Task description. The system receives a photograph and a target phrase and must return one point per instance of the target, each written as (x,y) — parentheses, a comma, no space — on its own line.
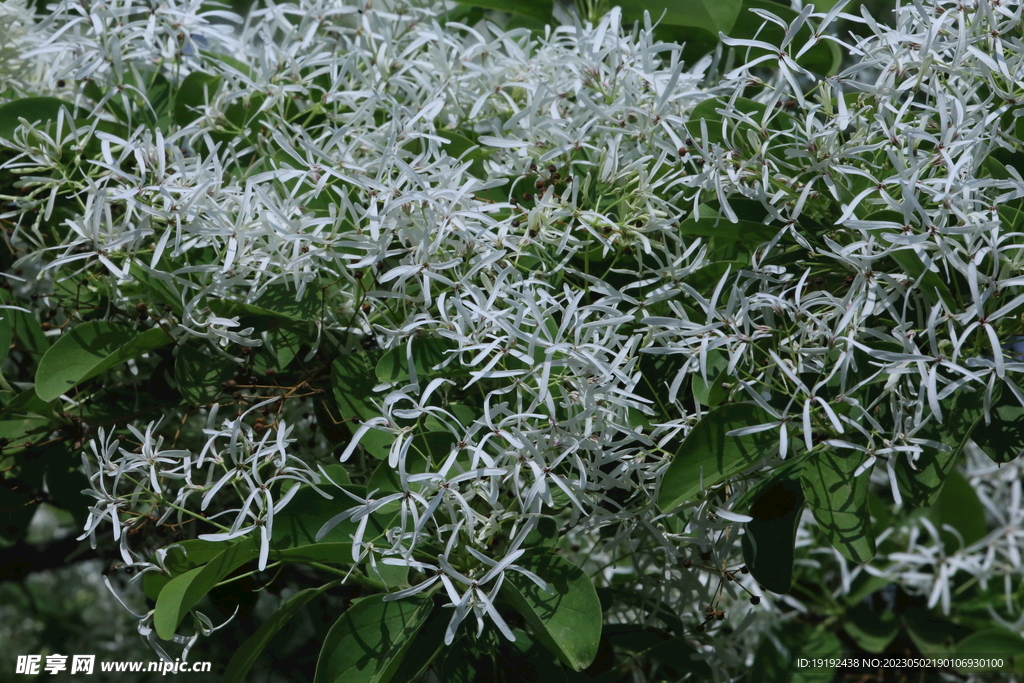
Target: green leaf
(711,392)
(183,592)
(993,643)
(710,15)
(245,656)
(353,379)
(25,327)
(199,372)
(298,524)
(425,648)
(646,606)
(708,456)
(427,352)
(710,110)
(18,431)
(531,9)
(1002,439)
(824,58)
(674,653)
(921,482)
(839,501)
(568,620)
(33,109)
(385,479)
(958,506)
(91,349)
(159,285)
(657,372)
(186,555)
(153,583)
(377,442)
(930,282)
(465,149)
(463,663)
(931,633)
(710,222)
(6,333)
(278,313)
(29,403)
(870,630)
(525,660)
(772,666)
(369,641)
(770,539)
(196,91)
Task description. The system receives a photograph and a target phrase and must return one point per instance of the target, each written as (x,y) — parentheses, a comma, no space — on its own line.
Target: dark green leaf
(197,90)
(91,349)
(710,111)
(824,58)
(183,592)
(673,653)
(839,502)
(353,379)
(245,656)
(657,372)
(921,482)
(568,620)
(872,631)
(426,354)
(772,666)
(993,643)
(710,222)
(6,333)
(711,392)
(25,328)
(532,9)
(931,283)
(931,633)
(33,109)
(708,456)
(369,641)
(465,149)
(199,372)
(425,648)
(958,506)
(298,524)
(1002,439)
(710,15)
(186,555)
(770,539)
(160,286)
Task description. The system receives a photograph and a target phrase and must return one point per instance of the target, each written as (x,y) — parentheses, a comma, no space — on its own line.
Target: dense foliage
(530,346)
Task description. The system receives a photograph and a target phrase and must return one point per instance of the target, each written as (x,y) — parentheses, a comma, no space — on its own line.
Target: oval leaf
(708,456)
(991,643)
(198,375)
(91,349)
(921,482)
(568,620)
(33,110)
(369,641)
(246,655)
(839,502)
(770,540)
(183,592)
(958,505)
